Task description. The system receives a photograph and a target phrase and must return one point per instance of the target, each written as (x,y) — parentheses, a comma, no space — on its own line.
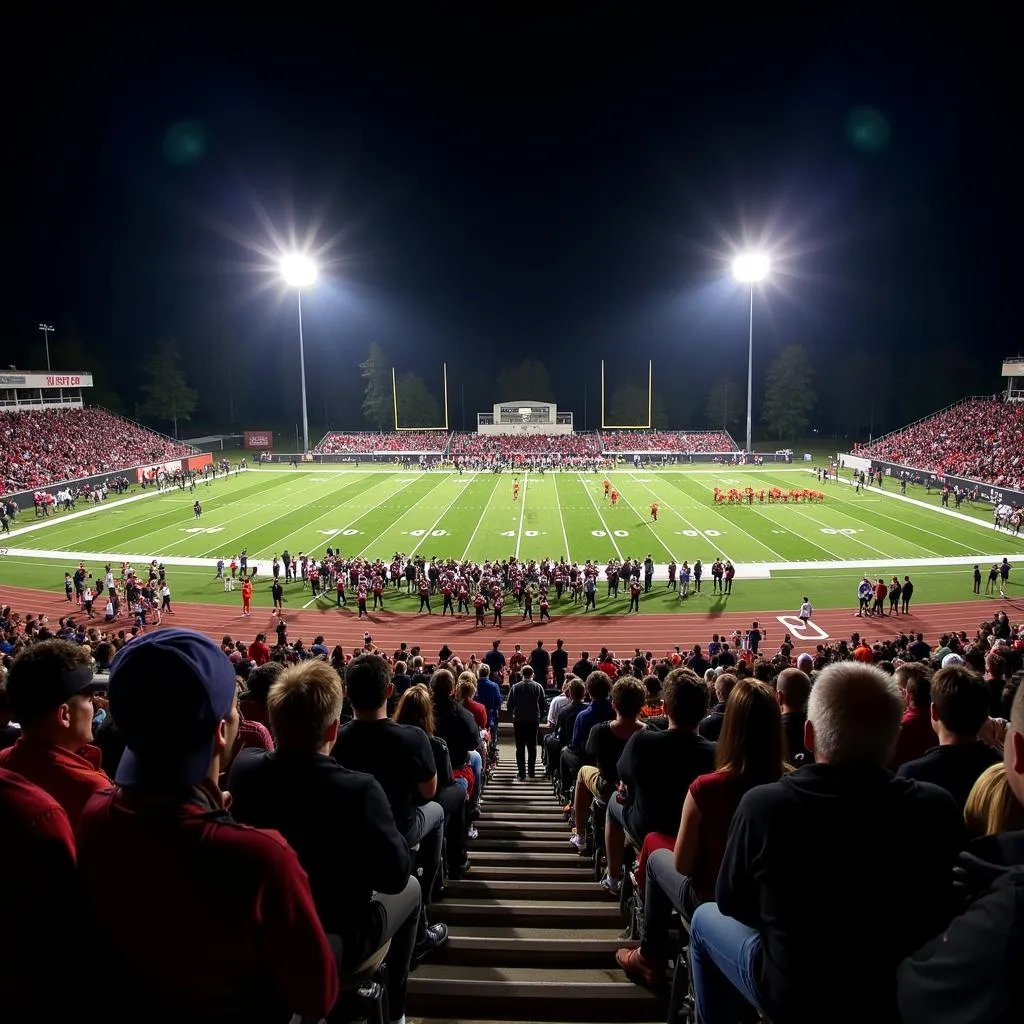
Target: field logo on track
(801,630)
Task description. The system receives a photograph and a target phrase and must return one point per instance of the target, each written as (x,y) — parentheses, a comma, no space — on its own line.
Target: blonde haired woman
(991,806)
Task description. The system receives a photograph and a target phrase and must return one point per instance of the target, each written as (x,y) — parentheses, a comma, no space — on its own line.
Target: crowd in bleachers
(747,791)
(432,441)
(679,441)
(507,447)
(982,439)
(52,445)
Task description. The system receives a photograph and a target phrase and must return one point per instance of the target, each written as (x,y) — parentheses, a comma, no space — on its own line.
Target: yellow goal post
(650,403)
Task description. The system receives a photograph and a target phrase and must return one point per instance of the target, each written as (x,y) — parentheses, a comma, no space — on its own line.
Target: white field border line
(483,514)
(226,543)
(608,533)
(308,526)
(646,522)
(763,515)
(522,512)
(57,520)
(717,548)
(211,497)
(931,533)
(439,479)
(561,519)
(447,509)
(952,513)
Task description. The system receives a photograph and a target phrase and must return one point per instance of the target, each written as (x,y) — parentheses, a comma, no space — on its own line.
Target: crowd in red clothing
(667,441)
(427,441)
(53,445)
(503,447)
(981,439)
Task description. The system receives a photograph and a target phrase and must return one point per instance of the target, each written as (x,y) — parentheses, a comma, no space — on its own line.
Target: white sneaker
(472,833)
(610,885)
(578,841)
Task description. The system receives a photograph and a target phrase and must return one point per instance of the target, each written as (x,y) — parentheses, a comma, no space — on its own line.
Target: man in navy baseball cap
(154,853)
(172,695)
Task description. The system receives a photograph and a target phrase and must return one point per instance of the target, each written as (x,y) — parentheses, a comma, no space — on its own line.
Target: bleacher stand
(52,445)
(432,441)
(669,441)
(506,447)
(981,439)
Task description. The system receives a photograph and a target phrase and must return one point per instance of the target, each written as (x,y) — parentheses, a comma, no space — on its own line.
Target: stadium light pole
(47,330)
(299,272)
(750,268)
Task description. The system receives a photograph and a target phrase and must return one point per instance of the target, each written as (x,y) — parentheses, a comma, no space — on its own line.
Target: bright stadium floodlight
(299,272)
(750,268)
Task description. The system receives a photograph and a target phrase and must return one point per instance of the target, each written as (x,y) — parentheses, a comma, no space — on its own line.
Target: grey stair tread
(535,912)
(503,832)
(570,858)
(557,984)
(502,872)
(526,845)
(473,932)
(482,888)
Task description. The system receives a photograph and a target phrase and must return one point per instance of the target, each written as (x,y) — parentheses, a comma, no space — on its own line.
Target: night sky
(485,189)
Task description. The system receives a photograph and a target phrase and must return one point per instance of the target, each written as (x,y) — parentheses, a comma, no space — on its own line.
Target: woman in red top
(750,753)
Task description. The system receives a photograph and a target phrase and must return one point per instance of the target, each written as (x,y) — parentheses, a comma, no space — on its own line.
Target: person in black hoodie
(821,844)
(970,973)
(960,702)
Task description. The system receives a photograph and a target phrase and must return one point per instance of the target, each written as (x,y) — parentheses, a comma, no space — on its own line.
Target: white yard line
(487,505)
(647,523)
(558,505)
(607,531)
(395,522)
(712,541)
(447,509)
(522,512)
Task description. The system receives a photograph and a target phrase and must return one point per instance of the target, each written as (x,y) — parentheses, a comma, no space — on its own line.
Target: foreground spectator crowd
(982,439)
(840,838)
(52,445)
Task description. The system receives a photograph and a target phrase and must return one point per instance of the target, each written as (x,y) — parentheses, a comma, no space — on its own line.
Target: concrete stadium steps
(532,937)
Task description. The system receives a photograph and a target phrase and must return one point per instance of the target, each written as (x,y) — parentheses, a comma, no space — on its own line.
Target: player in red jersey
(654,512)
(615,498)
(607,488)
(515,490)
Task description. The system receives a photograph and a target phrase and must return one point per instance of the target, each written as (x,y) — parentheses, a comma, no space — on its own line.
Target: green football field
(782,551)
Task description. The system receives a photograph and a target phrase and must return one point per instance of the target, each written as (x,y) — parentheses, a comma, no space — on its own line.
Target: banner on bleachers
(45,380)
(263,439)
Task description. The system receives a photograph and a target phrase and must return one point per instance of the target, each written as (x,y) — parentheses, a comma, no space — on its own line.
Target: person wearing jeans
(725,958)
(526,702)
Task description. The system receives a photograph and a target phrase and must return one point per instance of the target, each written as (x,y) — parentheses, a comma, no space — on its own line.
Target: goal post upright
(650,403)
(394,400)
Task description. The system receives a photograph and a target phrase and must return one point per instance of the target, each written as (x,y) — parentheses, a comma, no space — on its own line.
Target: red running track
(620,633)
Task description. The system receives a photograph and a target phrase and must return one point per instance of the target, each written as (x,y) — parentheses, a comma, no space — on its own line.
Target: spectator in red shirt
(207,920)
(50,688)
(259,652)
(37,860)
(916,733)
